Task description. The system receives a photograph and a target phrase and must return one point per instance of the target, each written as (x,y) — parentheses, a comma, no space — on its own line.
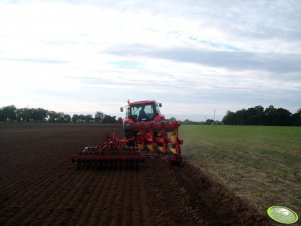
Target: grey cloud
(124,83)
(249,18)
(36,60)
(257,19)
(235,60)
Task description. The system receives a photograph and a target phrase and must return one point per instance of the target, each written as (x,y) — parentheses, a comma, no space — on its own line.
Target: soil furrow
(96,206)
(24,197)
(34,201)
(116,211)
(79,187)
(28,178)
(119,199)
(54,202)
(136,213)
(91,202)
(101,207)
(143,200)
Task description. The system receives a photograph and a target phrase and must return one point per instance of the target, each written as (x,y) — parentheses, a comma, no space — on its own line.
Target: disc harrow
(112,153)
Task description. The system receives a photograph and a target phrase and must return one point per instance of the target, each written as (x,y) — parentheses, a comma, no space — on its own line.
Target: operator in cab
(142,114)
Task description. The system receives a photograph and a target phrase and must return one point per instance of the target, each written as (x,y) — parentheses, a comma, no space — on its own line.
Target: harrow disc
(113,153)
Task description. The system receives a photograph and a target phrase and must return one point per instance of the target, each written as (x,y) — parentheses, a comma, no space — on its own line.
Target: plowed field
(40,186)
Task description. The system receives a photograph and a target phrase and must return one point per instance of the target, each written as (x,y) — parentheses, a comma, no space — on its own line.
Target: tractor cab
(143,111)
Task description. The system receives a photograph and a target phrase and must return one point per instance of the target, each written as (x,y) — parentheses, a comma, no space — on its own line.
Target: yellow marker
(141,146)
(161,149)
(150,147)
(173,150)
(171,135)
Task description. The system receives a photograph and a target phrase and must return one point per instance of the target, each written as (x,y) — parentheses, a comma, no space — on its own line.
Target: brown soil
(40,186)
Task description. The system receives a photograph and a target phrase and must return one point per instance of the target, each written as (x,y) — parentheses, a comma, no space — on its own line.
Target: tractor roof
(141,102)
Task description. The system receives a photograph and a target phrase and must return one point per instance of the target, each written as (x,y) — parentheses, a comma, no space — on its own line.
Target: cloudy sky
(193,56)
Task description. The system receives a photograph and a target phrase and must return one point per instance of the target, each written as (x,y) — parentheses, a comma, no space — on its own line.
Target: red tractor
(140,112)
(146,134)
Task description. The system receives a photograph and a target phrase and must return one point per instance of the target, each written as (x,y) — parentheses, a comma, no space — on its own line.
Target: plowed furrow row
(105,192)
(159,186)
(136,213)
(197,202)
(27,178)
(22,195)
(41,171)
(32,203)
(114,200)
(92,212)
(126,205)
(118,209)
(101,206)
(52,207)
(143,201)
(116,205)
(90,203)
(84,191)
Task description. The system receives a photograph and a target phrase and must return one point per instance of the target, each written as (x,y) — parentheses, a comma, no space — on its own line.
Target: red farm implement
(146,134)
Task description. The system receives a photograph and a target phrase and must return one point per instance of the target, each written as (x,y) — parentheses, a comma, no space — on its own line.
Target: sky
(195,57)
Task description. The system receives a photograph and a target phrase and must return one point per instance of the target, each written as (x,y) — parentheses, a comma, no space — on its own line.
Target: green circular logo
(282,214)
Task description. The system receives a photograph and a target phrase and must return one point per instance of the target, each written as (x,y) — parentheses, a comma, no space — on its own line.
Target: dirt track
(39,186)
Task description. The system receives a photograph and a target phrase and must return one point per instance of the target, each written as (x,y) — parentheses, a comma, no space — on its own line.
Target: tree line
(259,116)
(207,122)
(11,113)
(252,116)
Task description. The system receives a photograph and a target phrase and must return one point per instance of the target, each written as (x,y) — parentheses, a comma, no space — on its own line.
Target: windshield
(145,112)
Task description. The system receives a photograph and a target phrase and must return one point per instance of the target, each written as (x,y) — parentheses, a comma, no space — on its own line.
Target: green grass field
(259,163)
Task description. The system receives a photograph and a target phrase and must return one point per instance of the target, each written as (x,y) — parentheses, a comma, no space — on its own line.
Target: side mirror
(160,105)
(121,109)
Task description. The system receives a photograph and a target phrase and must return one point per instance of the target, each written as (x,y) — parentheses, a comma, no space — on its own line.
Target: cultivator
(111,153)
(159,139)
(146,136)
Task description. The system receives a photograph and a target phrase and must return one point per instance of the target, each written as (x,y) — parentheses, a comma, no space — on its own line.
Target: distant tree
(52,116)
(89,118)
(99,116)
(187,121)
(74,118)
(241,116)
(270,116)
(23,114)
(8,113)
(258,116)
(109,119)
(251,116)
(60,117)
(209,122)
(172,119)
(230,118)
(81,118)
(67,118)
(119,120)
(38,114)
(283,116)
(296,118)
